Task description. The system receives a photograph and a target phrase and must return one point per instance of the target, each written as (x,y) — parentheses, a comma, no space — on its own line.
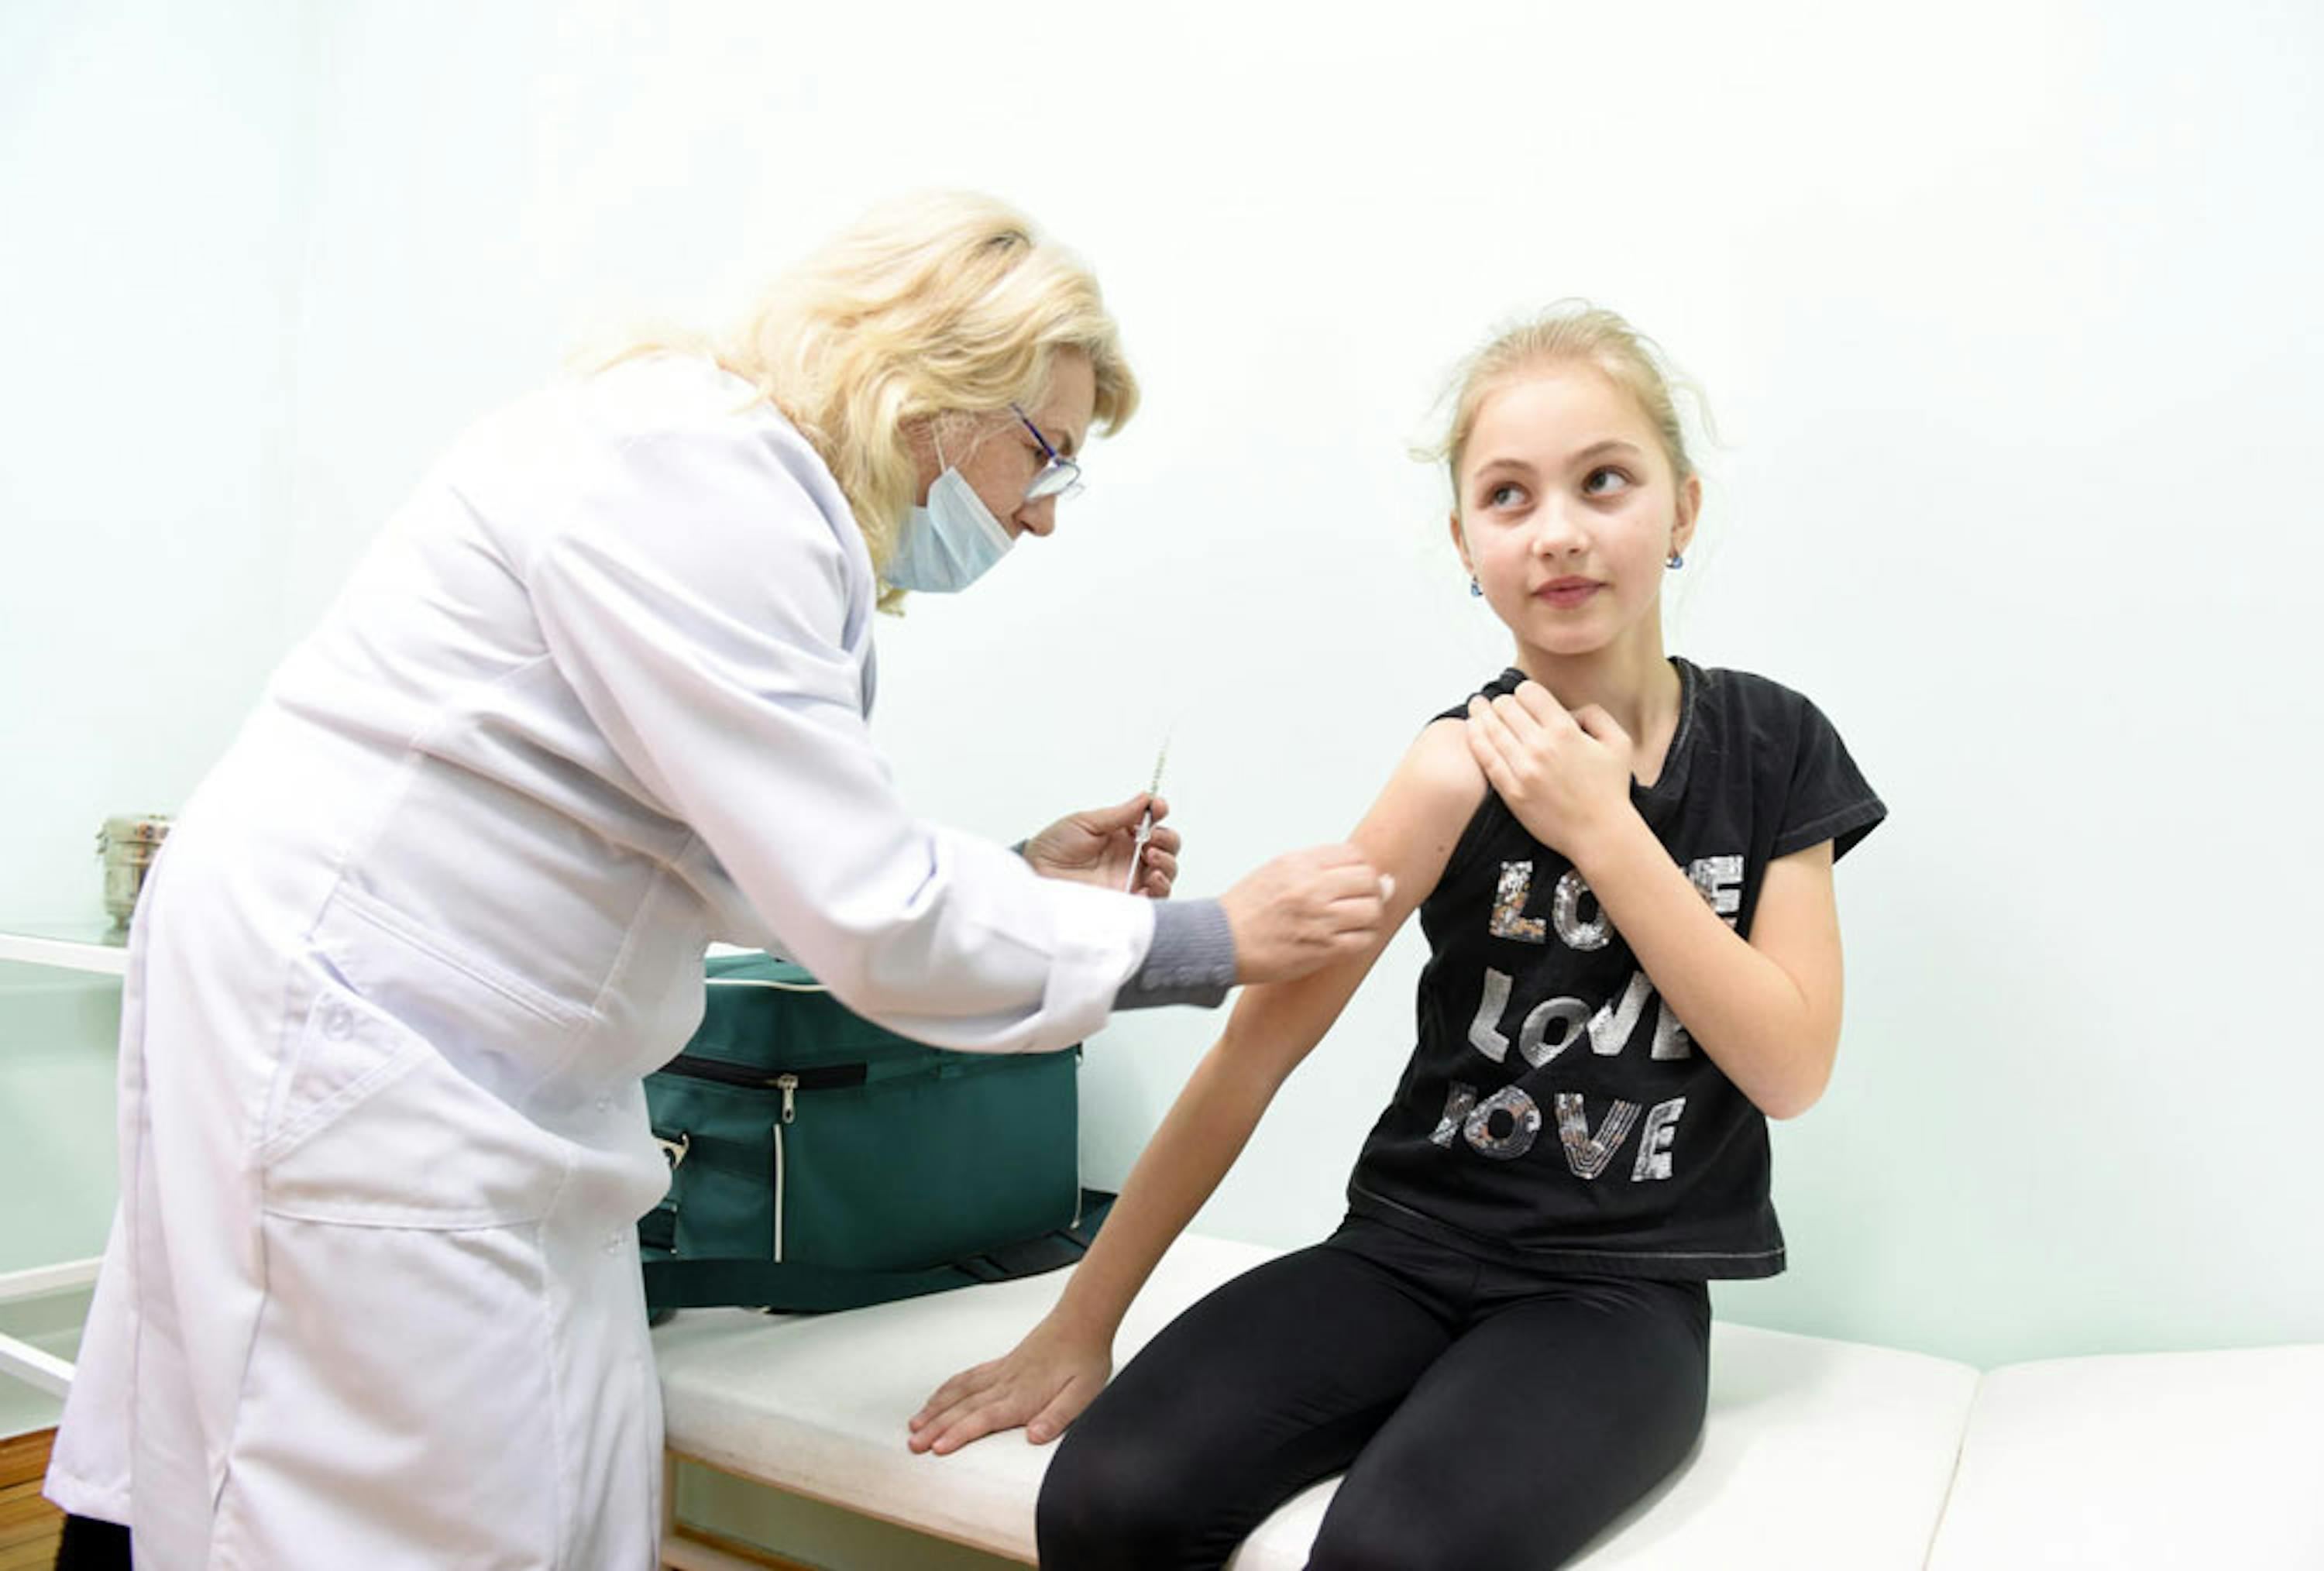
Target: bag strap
(787,1287)
(790,1288)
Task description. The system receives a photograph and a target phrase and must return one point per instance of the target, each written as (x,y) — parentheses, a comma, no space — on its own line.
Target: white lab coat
(596,697)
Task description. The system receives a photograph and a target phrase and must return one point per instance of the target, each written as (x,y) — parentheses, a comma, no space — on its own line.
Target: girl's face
(1568,510)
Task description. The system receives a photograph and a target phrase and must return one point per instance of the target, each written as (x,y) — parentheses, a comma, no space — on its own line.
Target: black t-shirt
(1555,1112)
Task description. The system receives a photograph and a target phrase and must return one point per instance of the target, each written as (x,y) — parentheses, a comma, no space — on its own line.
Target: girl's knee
(1110,1502)
(1433,1537)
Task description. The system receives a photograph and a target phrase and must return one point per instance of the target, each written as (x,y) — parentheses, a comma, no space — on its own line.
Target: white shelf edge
(23,1360)
(46,1281)
(64,953)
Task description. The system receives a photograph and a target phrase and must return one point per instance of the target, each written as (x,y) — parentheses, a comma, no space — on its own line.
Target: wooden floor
(28,1525)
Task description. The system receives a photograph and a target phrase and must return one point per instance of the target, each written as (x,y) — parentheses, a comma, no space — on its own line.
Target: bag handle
(787,1289)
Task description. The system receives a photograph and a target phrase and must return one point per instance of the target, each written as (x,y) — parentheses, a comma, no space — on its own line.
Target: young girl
(1623,864)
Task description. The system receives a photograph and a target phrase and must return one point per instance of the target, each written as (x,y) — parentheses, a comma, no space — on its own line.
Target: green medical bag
(819,1161)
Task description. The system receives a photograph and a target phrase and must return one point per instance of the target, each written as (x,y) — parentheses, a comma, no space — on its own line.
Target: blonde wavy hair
(933,307)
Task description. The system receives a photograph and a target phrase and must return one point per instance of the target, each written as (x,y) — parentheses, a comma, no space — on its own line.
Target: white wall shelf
(92,946)
(20,1360)
(87,946)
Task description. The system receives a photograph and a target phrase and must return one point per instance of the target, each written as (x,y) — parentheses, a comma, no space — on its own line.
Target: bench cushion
(1816,1453)
(2133,1460)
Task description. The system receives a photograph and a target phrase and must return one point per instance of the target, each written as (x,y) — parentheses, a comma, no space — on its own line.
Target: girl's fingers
(1050,1422)
(1539,723)
(1499,720)
(1521,723)
(925,1432)
(946,1395)
(978,1422)
(971,1426)
(962,1400)
(1486,746)
(1600,726)
(934,1436)
(1539,702)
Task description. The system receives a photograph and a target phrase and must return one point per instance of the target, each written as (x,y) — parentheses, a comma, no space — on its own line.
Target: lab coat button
(337,1020)
(605,1104)
(616,1243)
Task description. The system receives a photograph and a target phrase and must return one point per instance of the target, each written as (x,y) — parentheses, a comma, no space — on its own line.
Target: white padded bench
(1816,1453)
(2148,1459)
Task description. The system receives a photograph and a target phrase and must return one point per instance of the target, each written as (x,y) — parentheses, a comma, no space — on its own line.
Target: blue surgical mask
(948,544)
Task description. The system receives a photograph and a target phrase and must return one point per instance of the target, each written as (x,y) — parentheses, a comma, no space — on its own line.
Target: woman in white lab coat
(596,698)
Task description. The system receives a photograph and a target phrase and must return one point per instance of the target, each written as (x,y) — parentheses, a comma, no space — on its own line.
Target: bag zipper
(790,1082)
(1078,1188)
(779,1171)
(825,1078)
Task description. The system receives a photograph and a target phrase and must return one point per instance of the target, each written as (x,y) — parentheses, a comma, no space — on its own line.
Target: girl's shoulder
(1422,813)
(1734,688)
(1793,755)
(1505,683)
(1438,774)
(1745,708)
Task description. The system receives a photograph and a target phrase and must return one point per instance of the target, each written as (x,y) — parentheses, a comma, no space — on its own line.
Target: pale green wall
(152,178)
(56,1111)
(2013,352)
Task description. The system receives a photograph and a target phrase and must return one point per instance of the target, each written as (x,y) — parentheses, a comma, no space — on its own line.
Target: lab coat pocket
(374,1126)
(399,1406)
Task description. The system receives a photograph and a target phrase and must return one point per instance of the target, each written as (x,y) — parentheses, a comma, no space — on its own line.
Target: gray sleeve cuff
(1191,961)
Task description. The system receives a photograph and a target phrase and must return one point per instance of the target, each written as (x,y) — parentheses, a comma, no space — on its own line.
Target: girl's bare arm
(1045,1382)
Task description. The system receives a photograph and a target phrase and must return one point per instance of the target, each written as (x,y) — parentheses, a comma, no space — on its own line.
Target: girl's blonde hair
(1571,332)
(947,303)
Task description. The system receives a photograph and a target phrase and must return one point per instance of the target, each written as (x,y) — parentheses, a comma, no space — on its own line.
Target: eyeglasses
(1059,477)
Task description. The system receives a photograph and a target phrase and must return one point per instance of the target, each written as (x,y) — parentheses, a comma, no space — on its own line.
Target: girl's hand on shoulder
(1566,775)
(1043,1382)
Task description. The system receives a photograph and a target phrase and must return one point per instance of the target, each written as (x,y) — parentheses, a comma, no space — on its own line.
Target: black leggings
(89,1545)
(1485,1416)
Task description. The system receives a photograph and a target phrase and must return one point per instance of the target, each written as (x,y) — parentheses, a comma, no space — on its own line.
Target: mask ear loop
(935,435)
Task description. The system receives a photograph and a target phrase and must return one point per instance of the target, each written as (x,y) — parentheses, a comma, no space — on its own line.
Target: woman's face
(1568,508)
(999,457)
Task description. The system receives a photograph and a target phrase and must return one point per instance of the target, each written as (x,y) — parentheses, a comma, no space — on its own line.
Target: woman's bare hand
(1304,909)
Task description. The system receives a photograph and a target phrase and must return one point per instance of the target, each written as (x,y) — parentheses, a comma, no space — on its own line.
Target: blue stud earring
(1676,561)
(1476,589)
